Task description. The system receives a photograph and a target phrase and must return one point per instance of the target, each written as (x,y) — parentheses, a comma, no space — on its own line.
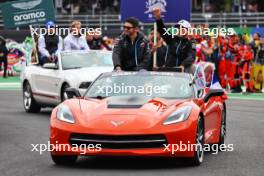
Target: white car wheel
(30,105)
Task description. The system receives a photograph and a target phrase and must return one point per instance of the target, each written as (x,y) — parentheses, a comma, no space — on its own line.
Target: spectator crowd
(236,59)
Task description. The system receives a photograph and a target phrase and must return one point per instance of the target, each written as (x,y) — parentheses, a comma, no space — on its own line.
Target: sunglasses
(128,27)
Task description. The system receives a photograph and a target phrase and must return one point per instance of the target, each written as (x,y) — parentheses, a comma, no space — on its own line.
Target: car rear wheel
(198,150)
(30,104)
(64,159)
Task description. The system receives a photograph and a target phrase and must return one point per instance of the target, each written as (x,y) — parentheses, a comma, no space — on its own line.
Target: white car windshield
(86,59)
(138,85)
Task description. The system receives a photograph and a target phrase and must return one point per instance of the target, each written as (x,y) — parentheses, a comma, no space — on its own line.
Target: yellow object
(258,76)
(246,37)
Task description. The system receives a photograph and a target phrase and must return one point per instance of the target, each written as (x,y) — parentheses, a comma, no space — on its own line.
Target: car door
(211,118)
(48,85)
(31,73)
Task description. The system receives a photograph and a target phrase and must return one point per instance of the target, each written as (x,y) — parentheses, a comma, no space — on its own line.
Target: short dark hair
(133,21)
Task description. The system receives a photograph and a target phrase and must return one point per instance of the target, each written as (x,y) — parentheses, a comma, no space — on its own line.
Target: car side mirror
(73,92)
(213,93)
(200,93)
(50,66)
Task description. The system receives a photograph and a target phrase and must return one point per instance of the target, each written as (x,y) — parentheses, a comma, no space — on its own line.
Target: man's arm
(84,43)
(161,27)
(67,44)
(42,47)
(190,56)
(117,53)
(144,64)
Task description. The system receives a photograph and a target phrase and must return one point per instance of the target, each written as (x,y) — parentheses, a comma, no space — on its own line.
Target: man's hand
(118,68)
(182,68)
(157,13)
(49,59)
(155,68)
(154,48)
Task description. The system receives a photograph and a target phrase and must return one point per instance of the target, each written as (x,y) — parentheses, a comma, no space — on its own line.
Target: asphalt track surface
(18,130)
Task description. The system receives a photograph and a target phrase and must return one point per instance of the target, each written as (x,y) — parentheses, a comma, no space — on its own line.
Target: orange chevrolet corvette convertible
(138,114)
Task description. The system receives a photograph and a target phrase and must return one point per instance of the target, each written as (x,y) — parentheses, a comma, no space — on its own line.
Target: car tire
(64,159)
(63,92)
(30,104)
(222,134)
(199,151)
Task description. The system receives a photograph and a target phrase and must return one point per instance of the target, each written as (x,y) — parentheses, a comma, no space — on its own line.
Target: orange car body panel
(93,117)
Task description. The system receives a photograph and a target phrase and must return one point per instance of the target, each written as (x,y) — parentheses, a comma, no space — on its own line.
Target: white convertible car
(44,86)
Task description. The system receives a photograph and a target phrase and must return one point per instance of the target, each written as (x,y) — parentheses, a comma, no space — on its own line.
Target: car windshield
(86,59)
(161,86)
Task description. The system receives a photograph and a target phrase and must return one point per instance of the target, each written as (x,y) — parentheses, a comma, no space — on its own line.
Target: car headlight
(64,114)
(179,115)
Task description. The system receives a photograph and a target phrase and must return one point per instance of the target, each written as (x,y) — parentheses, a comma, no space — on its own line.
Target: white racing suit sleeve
(84,44)
(67,44)
(75,43)
(42,47)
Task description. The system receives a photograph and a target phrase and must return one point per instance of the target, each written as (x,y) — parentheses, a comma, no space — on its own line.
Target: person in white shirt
(49,45)
(75,40)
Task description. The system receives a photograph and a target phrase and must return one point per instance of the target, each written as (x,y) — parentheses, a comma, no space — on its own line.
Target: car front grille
(119,142)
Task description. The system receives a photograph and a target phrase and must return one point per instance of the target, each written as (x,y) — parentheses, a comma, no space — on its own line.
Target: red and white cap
(185,24)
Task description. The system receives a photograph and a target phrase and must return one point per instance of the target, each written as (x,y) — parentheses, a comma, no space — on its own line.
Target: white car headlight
(179,115)
(64,114)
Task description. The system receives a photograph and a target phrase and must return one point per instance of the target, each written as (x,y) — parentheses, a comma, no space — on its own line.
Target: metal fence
(113,21)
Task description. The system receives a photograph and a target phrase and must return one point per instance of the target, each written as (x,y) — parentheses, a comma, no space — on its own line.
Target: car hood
(124,114)
(87,73)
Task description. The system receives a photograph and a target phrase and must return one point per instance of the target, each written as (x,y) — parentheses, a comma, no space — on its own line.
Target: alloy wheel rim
(199,143)
(65,97)
(223,125)
(27,98)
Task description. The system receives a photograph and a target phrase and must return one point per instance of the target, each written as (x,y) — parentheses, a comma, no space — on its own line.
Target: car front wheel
(198,150)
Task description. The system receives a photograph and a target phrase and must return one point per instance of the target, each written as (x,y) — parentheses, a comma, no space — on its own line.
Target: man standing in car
(182,51)
(131,51)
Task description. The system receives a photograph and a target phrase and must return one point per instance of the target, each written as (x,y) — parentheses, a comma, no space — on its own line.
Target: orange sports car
(138,114)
